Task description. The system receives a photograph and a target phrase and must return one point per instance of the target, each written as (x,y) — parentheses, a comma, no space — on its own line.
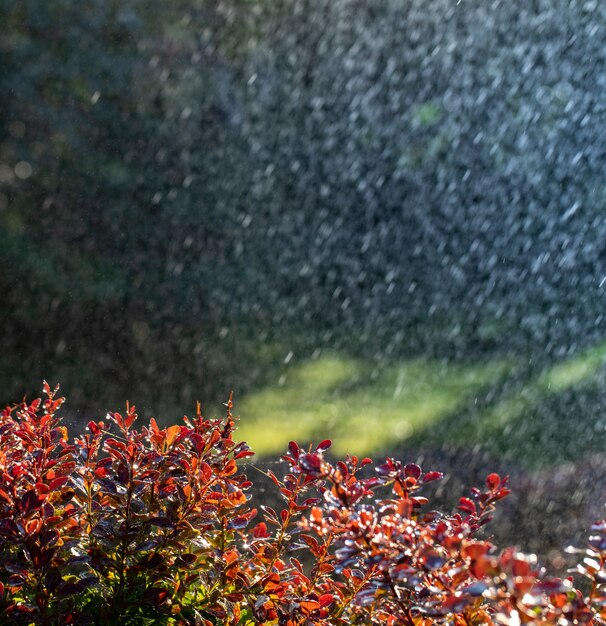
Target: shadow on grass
(548,418)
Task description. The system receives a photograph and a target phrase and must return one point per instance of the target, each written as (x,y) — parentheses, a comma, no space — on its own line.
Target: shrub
(155,526)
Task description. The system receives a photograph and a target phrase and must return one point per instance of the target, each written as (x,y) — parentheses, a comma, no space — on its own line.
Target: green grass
(364,408)
(360,406)
(574,370)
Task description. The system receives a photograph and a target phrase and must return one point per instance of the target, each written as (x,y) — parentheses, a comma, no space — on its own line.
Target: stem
(41,598)
(365,580)
(124,542)
(405,608)
(325,547)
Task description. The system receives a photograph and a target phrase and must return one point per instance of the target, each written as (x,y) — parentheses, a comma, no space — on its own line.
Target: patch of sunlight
(326,373)
(574,370)
(370,423)
(361,407)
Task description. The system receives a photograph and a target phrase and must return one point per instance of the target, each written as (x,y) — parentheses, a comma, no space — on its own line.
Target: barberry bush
(156,526)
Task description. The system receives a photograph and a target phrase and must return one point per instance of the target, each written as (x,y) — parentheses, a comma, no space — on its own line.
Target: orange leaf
(171,434)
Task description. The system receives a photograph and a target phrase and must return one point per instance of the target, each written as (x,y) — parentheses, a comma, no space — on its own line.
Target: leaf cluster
(155,525)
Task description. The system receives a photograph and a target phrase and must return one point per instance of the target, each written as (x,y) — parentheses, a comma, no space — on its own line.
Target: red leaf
(313,544)
(171,435)
(131,416)
(432,476)
(270,514)
(33,526)
(155,596)
(399,489)
(456,603)
(312,501)
(231,556)
(467,505)
(343,469)
(198,441)
(101,472)
(501,493)
(308,606)
(206,470)
(154,426)
(386,468)
(493,481)
(419,501)
(412,469)
(260,531)
(244,454)
(238,522)
(117,417)
(404,507)
(326,599)
(30,501)
(475,549)
(324,445)
(311,463)
(552,586)
(19,610)
(42,489)
(71,589)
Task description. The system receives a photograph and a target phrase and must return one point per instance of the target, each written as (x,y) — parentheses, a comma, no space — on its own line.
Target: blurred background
(380,221)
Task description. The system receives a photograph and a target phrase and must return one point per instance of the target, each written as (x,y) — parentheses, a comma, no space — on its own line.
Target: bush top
(157,525)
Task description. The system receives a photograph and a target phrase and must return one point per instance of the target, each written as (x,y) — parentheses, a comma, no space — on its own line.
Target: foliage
(154,526)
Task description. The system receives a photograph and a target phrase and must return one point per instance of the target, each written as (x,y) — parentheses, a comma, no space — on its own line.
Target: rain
(382,222)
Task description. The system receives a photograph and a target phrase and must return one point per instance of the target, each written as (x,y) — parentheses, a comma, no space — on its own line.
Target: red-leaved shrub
(154,526)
